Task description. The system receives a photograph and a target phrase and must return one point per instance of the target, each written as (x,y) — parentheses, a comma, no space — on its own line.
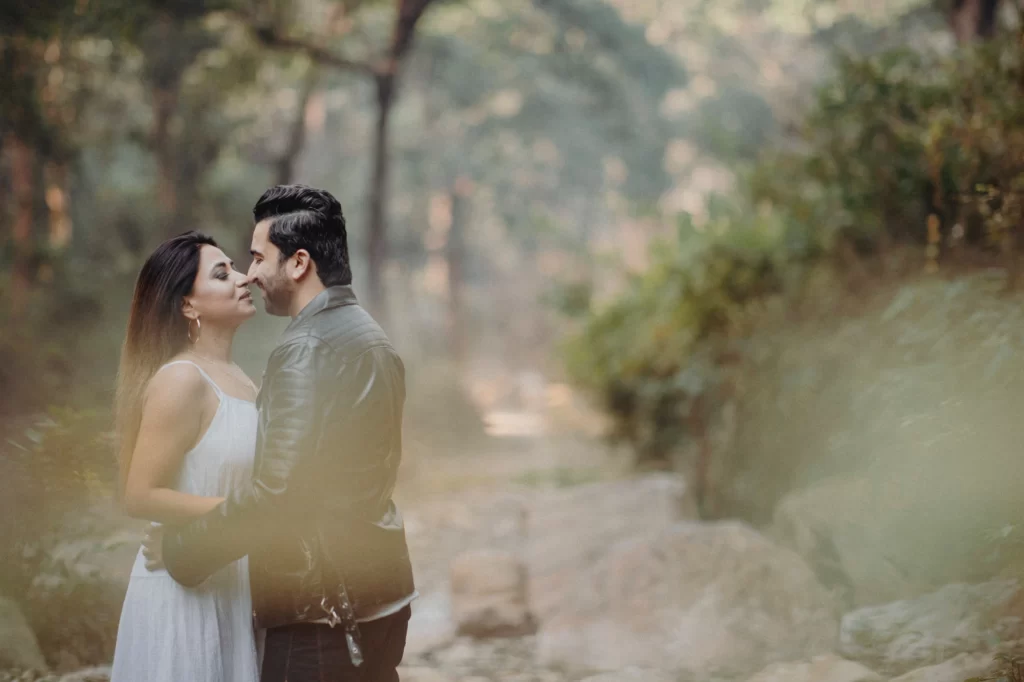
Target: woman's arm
(284,479)
(172,416)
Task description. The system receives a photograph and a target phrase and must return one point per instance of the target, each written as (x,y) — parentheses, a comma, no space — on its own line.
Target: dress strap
(217,389)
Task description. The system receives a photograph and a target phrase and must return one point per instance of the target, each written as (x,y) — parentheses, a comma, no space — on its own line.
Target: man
(329,567)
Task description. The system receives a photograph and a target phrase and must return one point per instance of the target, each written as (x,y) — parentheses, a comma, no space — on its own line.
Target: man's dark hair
(311,219)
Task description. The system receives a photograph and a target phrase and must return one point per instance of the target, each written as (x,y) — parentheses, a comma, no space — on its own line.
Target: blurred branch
(409,14)
(318,54)
(972,19)
(315,48)
(384,74)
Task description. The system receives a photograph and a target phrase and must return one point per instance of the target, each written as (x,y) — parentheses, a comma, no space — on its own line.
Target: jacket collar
(331,297)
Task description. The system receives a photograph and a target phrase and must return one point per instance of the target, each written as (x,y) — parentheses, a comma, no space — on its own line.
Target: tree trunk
(58,205)
(22,159)
(456,255)
(285,166)
(408,15)
(165,101)
(698,428)
(377,243)
(1012,259)
(1014,216)
(972,19)
(385,74)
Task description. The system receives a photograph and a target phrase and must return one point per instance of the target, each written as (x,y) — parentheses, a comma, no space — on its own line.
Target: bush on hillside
(900,148)
(59,463)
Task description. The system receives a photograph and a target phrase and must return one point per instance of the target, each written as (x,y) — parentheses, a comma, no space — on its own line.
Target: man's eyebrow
(254,252)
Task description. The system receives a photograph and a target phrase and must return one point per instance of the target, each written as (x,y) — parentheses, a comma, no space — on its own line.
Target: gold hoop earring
(199,329)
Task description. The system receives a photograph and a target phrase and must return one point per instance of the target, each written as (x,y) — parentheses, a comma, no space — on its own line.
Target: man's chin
(272,309)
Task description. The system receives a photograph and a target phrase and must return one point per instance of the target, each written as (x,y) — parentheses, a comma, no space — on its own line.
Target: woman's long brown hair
(157,331)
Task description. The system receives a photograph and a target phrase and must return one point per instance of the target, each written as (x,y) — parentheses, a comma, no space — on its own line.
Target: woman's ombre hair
(157,331)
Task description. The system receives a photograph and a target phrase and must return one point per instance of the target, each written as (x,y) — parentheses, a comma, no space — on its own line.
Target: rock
(489,595)
(97,674)
(430,627)
(421,674)
(76,596)
(510,659)
(460,653)
(901,636)
(96,547)
(568,530)
(18,645)
(827,668)
(706,598)
(956,669)
(631,675)
(26,676)
(76,619)
(838,526)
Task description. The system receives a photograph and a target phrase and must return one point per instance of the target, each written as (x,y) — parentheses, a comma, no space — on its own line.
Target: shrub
(900,148)
(59,463)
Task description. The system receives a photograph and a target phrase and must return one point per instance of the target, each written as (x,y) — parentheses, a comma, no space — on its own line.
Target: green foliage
(55,464)
(899,136)
(567,76)
(976,143)
(895,141)
(44,345)
(733,125)
(55,468)
(642,354)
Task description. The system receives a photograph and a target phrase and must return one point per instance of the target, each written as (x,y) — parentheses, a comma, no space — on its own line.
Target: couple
(274,507)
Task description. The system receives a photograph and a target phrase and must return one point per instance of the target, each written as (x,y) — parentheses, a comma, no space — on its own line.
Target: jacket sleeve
(194,551)
(364,434)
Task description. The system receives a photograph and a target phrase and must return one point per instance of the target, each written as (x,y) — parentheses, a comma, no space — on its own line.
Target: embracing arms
(193,551)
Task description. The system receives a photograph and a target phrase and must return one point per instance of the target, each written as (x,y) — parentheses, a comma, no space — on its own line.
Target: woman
(187,425)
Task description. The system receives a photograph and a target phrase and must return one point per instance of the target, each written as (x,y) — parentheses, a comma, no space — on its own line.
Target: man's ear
(300,264)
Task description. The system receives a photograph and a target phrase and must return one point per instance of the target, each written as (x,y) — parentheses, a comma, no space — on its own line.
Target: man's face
(267,271)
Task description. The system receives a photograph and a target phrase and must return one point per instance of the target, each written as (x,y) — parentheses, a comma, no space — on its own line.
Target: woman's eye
(222,275)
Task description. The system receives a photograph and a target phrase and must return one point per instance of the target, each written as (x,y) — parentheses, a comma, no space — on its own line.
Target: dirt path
(476,500)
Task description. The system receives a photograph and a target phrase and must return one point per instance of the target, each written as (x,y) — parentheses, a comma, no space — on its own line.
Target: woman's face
(220,294)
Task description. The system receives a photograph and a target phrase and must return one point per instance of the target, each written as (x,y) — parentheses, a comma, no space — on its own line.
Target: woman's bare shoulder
(178,385)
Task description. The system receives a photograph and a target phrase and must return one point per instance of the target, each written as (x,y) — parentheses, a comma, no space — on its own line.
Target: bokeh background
(711,311)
